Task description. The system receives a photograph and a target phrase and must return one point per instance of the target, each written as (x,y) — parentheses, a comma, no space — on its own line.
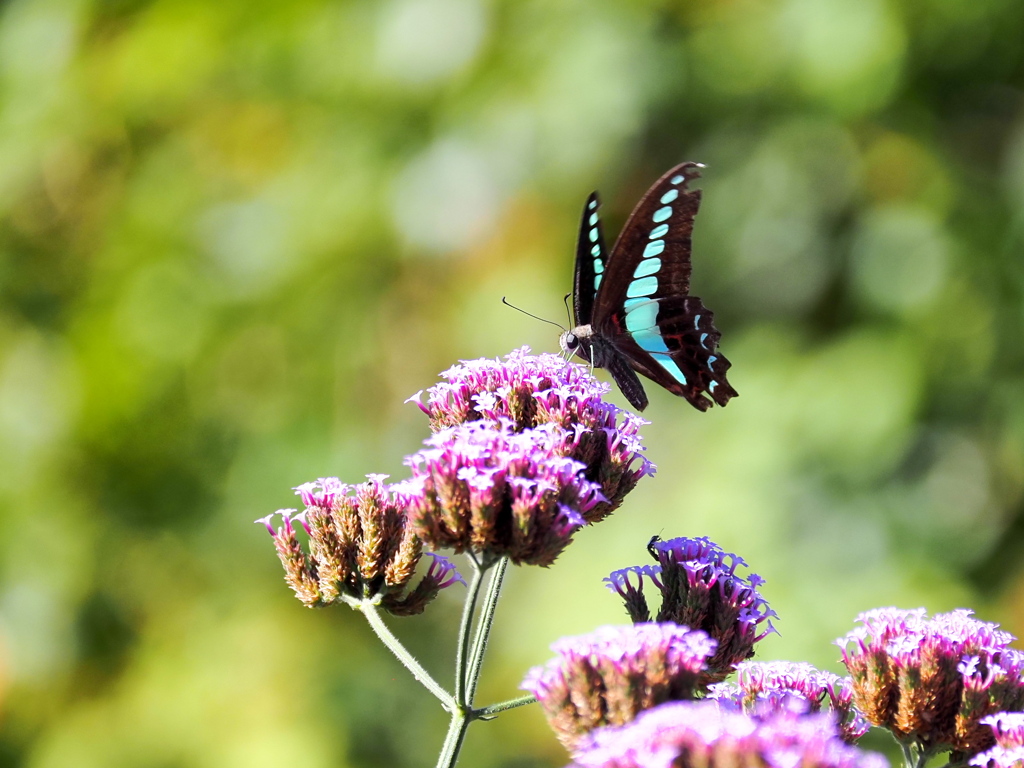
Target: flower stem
(483,632)
(923,756)
(465,625)
(369,610)
(454,739)
(915,755)
(469,658)
(908,755)
(480,714)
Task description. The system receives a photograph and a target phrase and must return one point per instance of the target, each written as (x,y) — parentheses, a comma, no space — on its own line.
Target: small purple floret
(1007,727)
(322,492)
(1008,730)
(443,571)
(267,521)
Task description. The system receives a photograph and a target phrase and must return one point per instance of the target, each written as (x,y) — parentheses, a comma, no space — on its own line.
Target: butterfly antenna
(568,312)
(507,303)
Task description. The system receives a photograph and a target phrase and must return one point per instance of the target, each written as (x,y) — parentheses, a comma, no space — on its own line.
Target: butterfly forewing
(591,257)
(652,254)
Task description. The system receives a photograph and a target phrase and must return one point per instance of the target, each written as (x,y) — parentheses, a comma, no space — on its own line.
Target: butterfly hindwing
(674,342)
(591,257)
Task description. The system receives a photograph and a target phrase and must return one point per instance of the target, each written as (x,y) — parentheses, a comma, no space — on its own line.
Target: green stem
(369,610)
(483,632)
(908,755)
(923,756)
(480,714)
(469,657)
(917,756)
(454,739)
(465,625)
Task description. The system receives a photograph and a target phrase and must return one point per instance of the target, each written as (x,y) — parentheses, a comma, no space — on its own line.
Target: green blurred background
(237,235)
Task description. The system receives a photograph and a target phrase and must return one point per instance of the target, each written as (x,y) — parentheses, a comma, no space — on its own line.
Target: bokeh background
(236,236)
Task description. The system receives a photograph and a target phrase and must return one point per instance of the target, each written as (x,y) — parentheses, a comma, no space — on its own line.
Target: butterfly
(632,309)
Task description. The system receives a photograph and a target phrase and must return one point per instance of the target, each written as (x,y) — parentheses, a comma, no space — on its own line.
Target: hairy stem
(373,616)
(480,714)
(465,626)
(469,658)
(483,632)
(454,739)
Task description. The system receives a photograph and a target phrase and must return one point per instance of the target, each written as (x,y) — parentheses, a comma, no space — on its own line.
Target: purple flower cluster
(488,489)
(700,588)
(771,683)
(711,736)
(1008,730)
(614,673)
(524,392)
(932,681)
(361,548)
(524,453)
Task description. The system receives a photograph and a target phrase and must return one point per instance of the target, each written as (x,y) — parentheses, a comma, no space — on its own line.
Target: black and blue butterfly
(632,310)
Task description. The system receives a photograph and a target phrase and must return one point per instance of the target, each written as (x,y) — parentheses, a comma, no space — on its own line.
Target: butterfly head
(578,341)
(569,342)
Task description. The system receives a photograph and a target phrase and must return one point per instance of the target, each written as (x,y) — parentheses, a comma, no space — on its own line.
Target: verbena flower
(361,548)
(771,682)
(527,391)
(1008,731)
(931,681)
(699,588)
(487,489)
(705,735)
(1007,728)
(612,674)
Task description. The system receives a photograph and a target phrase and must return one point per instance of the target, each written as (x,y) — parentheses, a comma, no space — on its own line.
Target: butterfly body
(632,308)
(596,350)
